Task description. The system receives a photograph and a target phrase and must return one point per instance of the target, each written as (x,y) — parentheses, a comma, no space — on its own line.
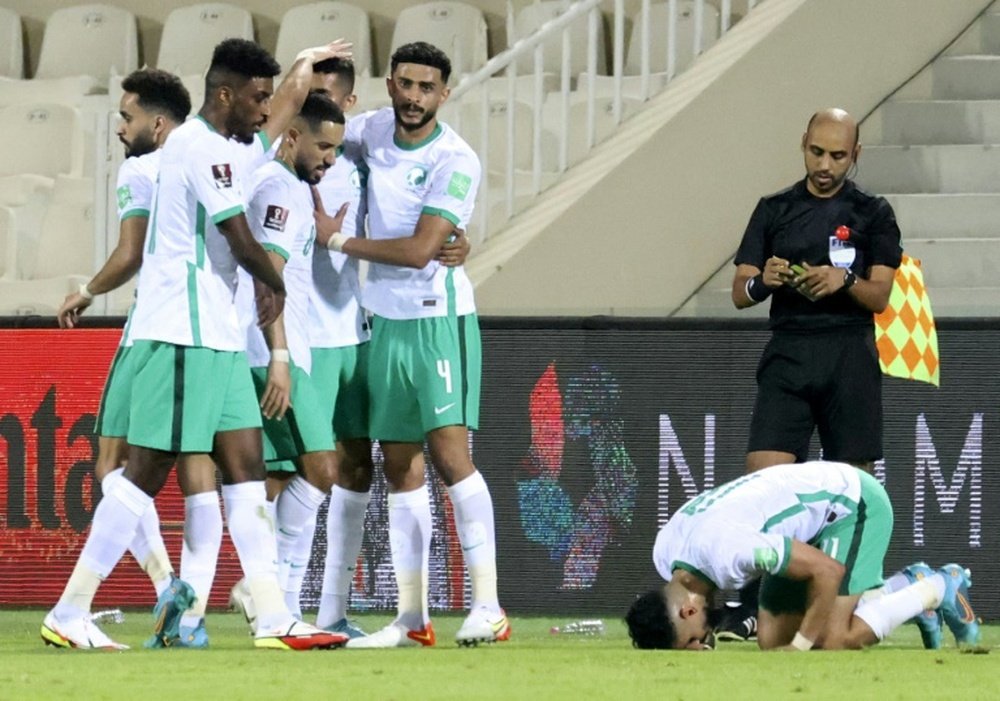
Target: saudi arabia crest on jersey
(416,176)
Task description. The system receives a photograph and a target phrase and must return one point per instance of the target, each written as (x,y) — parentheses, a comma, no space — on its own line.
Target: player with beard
(153,103)
(425,354)
(296,430)
(192,391)
(817,534)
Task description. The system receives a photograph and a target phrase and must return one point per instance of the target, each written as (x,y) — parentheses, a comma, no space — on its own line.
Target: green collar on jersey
(286,166)
(207,123)
(680,565)
(420,144)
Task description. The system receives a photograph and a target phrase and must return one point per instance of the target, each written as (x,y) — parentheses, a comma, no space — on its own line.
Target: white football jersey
(336,317)
(439,176)
(186,293)
(740,530)
(281,218)
(135,187)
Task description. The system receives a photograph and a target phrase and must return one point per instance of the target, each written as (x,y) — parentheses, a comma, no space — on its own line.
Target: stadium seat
(321,22)
(372,93)
(530,18)
(60,257)
(190,34)
(659,19)
(456,28)
(94,40)
(11,46)
(49,140)
(69,91)
(467,119)
(576,125)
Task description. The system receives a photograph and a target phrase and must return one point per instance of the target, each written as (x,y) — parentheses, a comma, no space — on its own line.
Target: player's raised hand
(327,227)
(72,307)
(338,48)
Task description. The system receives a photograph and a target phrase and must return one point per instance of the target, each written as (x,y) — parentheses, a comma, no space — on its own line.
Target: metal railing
(565,122)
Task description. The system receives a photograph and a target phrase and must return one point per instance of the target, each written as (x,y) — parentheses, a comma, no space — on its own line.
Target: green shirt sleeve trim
(265,140)
(443,213)
(274,248)
(132,213)
(227,214)
(783,567)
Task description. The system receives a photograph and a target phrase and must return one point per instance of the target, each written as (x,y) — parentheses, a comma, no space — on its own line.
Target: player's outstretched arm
(822,575)
(120,267)
(290,95)
(252,256)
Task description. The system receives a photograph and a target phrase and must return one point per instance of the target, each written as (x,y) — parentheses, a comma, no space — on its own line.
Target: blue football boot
(929,622)
(170,606)
(956,609)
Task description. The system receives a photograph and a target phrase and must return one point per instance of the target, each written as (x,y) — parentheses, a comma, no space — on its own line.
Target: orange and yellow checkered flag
(905,332)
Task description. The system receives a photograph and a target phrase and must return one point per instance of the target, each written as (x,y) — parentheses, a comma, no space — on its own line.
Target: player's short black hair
(239,58)
(424,54)
(319,108)
(342,67)
(159,92)
(649,625)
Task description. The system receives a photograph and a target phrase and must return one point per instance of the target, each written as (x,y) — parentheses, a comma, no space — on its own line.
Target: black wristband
(757,291)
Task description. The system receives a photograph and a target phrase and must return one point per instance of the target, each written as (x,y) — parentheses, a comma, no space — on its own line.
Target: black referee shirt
(798,226)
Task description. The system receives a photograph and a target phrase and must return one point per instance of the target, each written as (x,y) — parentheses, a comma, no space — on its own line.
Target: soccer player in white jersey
(192,390)
(153,103)
(296,430)
(817,533)
(424,357)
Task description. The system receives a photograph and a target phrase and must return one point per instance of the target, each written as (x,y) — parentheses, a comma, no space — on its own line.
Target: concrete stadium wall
(640,236)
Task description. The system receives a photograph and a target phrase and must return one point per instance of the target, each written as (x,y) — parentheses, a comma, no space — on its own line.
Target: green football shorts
(859,542)
(112,416)
(303,429)
(182,396)
(423,374)
(340,378)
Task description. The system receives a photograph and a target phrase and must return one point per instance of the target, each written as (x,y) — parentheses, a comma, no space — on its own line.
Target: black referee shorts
(826,379)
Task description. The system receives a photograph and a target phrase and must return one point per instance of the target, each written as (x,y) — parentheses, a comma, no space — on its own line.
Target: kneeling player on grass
(818,533)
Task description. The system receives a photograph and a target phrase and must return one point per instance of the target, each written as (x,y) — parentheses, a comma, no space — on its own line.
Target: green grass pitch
(533,665)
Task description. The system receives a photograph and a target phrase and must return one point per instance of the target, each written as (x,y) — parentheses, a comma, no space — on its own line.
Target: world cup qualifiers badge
(222,173)
(842,252)
(275,218)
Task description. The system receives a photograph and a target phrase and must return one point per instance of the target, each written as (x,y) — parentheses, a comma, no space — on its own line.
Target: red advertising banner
(50,389)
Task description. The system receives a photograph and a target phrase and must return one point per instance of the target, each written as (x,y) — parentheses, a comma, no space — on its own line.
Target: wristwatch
(849,279)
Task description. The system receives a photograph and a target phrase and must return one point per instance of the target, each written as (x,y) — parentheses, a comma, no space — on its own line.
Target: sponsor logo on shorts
(275,218)
(222,173)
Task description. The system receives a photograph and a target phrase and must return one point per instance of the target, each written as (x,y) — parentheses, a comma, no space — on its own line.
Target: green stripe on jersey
(134,213)
(193,303)
(199,236)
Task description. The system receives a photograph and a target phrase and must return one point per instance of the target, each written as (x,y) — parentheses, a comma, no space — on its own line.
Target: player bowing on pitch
(817,533)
